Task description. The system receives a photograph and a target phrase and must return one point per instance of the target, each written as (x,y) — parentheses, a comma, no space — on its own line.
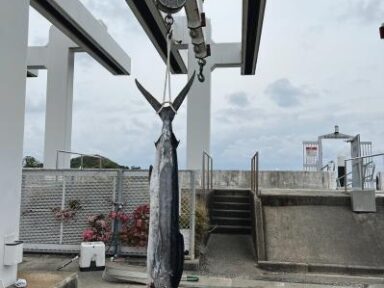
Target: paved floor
(228,262)
(230,256)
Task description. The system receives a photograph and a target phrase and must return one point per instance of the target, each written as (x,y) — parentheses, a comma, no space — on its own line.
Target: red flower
(88,234)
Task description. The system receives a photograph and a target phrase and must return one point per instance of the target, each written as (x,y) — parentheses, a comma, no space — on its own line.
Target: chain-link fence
(56,205)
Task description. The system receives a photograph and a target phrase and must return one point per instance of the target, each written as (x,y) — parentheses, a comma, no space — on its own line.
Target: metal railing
(81,158)
(345,182)
(329,167)
(207,173)
(363,168)
(255,173)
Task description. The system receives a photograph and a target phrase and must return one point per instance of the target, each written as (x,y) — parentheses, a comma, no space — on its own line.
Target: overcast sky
(321,63)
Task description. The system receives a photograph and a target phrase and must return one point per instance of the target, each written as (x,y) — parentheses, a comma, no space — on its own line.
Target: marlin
(165,252)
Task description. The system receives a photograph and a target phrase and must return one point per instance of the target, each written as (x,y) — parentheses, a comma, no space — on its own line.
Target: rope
(167,80)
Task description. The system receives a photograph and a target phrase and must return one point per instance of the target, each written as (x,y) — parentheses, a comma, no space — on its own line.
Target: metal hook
(201,63)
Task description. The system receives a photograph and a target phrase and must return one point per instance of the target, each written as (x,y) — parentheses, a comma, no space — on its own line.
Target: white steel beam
(58,115)
(37,57)
(153,24)
(13,58)
(226,55)
(253,18)
(74,20)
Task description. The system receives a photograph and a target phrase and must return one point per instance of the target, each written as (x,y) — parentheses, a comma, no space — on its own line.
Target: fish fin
(150,173)
(180,98)
(152,100)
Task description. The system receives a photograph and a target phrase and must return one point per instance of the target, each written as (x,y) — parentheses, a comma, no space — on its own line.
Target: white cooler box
(92,256)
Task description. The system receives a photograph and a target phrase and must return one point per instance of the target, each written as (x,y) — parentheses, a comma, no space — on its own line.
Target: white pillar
(13,71)
(58,117)
(198,114)
(224,55)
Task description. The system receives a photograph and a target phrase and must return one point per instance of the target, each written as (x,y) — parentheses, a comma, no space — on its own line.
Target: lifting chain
(201,63)
(169,22)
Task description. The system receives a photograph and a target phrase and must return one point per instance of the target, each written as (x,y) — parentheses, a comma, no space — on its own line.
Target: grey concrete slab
(324,235)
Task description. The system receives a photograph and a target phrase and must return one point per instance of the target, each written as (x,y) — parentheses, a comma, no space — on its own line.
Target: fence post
(118,206)
(193,215)
(62,207)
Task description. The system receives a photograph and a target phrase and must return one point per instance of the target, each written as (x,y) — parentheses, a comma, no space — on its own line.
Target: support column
(198,114)
(13,70)
(58,117)
(224,55)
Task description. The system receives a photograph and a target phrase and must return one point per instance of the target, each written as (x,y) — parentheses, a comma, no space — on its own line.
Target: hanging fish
(165,253)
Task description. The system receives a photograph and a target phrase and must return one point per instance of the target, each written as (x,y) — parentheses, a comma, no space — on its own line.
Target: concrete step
(231,198)
(231,192)
(230,206)
(231,221)
(230,229)
(230,213)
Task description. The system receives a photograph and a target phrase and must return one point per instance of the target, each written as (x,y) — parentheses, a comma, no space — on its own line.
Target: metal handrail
(362,177)
(329,167)
(207,173)
(81,159)
(255,173)
(342,177)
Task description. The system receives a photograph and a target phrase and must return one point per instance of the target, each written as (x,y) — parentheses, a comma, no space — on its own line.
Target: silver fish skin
(165,252)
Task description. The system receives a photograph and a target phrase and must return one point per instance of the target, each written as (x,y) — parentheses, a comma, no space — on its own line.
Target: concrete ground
(229,262)
(230,256)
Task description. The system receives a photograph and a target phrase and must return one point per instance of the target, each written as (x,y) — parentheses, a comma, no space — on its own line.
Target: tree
(31,162)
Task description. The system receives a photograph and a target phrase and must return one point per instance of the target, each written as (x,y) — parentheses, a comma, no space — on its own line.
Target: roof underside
(74,20)
(253,19)
(153,24)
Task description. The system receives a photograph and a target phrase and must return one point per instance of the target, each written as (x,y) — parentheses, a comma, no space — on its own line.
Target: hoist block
(170,6)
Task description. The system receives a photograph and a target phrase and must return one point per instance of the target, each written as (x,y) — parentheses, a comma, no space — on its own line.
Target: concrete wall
(274,179)
(322,231)
(267,179)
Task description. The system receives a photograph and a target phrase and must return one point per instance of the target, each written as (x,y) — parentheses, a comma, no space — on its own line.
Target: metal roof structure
(153,23)
(74,20)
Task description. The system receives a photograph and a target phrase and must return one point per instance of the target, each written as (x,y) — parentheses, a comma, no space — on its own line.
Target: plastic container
(92,256)
(13,253)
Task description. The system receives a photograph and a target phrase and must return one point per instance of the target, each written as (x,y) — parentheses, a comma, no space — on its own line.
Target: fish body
(165,252)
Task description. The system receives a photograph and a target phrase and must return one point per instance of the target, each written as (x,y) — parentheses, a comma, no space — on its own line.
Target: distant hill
(91,162)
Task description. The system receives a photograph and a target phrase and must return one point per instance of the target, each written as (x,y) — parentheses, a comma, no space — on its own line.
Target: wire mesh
(95,192)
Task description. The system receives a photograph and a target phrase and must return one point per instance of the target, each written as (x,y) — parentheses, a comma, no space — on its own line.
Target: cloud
(111,117)
(284,94)
(364,11)
(239,99)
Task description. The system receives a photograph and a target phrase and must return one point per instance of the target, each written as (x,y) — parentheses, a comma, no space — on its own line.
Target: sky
(320,64)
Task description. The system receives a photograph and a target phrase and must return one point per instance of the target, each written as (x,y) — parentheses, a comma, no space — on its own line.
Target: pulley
(170,6)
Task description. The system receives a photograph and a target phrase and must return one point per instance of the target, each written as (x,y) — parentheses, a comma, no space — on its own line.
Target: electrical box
(13,253)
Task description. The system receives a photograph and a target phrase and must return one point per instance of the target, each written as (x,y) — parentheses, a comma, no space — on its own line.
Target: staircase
(230,212)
